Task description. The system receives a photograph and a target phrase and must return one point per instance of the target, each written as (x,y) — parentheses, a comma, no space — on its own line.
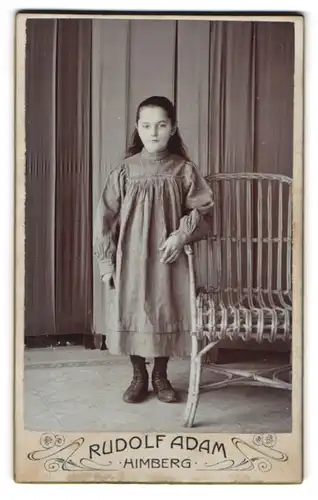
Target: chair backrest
(247,258)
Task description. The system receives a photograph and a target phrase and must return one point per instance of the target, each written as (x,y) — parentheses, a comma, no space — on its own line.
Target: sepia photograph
(160,171)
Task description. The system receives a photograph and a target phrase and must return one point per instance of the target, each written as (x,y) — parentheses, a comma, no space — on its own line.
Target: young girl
(150,206)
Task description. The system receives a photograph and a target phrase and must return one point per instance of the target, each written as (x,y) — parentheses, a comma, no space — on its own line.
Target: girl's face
(154,128)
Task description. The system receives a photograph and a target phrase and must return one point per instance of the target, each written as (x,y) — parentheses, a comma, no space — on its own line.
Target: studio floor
(74,389)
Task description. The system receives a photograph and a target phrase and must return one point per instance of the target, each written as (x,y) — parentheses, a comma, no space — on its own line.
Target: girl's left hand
(171,248)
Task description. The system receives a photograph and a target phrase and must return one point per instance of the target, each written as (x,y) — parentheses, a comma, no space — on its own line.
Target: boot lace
(162,383)
(138,379)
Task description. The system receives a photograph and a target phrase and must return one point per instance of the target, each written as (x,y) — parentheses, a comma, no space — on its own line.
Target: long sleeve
(107,218)
(198,205)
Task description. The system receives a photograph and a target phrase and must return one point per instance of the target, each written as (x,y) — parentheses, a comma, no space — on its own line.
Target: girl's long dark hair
(175,144)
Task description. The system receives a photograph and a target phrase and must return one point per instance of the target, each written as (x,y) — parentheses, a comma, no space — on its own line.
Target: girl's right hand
(108,280)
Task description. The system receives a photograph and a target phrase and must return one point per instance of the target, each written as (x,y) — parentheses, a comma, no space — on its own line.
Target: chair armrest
(188,249)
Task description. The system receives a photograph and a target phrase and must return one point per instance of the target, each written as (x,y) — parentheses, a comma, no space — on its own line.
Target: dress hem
(176,344)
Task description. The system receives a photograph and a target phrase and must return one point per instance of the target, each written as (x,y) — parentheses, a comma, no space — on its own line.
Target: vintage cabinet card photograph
(158,257)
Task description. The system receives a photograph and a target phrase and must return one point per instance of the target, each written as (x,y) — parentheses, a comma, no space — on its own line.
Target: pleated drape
(40,178)
(73,229)
(58,256)
(274,98)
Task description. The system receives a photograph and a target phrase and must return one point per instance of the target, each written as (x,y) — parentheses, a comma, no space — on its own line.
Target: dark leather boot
(161,385)
(138,389)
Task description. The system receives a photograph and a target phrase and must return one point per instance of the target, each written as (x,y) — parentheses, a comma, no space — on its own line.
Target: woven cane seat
(255,317)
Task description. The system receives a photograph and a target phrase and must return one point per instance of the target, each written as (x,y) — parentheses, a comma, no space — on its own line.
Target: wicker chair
(245,263)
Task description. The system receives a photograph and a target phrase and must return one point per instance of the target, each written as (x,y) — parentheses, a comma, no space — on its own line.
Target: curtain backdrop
(58,178)
(40,178)
(73,254)
(232,83)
